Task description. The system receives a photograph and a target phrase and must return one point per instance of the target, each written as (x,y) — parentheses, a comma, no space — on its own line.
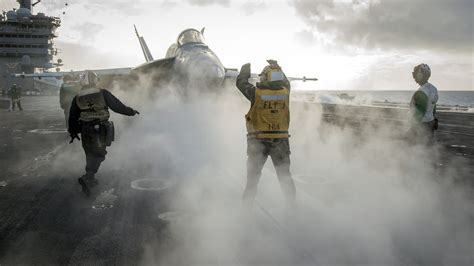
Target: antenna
(145,50)
(136,31)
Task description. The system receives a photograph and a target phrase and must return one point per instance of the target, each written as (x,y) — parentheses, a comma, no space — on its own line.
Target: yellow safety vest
(92,104)
(269,116)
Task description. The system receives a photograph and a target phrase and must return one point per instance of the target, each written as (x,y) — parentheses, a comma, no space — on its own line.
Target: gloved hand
(135,112)
(74,136)
(273,63)
(245,71)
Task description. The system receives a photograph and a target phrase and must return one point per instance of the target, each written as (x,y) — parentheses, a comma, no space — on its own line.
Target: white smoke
(362,197)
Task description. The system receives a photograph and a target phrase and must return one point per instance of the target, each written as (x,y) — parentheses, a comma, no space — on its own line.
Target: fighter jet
(188,61)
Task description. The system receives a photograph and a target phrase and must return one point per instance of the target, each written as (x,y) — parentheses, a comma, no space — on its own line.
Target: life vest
(269,116)
(92,104)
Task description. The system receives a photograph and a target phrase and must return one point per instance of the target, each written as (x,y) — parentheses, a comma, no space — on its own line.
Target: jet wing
(159,69)
(232,73)
(59,75)
(160,65)
(304,79)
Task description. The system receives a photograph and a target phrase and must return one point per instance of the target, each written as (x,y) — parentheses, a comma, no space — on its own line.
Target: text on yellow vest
(269,116)
(92,104)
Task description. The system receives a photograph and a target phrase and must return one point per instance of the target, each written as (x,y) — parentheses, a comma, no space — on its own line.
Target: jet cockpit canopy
(190,36)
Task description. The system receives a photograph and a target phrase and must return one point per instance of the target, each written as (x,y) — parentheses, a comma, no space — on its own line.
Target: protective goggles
(273,75)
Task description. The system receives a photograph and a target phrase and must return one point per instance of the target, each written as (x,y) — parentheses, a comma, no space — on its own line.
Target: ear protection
(270,73)
(89,78)
(421,72)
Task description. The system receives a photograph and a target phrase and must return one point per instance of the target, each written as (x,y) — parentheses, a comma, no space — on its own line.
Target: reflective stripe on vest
(92,104)
(269,116)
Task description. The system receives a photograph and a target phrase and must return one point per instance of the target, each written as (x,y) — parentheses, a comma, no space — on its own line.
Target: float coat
(269,116)
(92,104)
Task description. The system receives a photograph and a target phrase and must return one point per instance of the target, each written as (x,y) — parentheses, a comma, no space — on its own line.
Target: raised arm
(243,84)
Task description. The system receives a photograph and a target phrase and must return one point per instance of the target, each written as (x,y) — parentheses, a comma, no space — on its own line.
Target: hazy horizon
(348,45)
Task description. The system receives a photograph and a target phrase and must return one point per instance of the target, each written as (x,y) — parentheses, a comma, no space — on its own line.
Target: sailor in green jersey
(423,106)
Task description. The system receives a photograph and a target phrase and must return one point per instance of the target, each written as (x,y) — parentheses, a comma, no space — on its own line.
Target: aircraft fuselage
(196,64)
(189,63)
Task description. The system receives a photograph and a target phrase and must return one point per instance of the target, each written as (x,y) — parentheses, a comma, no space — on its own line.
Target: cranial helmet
(67,78)
(89,78)
(421,73)
(272,72)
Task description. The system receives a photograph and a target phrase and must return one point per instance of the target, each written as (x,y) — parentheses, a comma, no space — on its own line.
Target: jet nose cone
(207,72)
(214,74)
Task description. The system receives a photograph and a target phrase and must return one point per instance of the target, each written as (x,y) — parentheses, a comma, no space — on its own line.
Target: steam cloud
(209,2)
(365,200)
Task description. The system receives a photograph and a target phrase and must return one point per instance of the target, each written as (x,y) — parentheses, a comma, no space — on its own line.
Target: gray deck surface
(45,219)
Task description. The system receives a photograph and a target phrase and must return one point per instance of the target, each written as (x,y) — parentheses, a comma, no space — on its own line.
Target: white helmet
(89,78)
(272,72)
(421,72)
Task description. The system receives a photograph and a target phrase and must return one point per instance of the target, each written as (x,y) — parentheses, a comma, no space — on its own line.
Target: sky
(346,44)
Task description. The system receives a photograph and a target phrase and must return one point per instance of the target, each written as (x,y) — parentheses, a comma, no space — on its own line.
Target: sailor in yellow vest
(267,121)
(423,107)
(89,116)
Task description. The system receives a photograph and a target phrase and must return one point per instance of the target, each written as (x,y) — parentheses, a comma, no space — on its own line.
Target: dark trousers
(258,152)
(16,102)
(421,133)
(93,142)
(66,114)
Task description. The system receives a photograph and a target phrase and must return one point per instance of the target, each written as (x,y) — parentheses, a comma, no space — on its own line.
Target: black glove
(74,136)
(135,112)
(245,71)
(273,63)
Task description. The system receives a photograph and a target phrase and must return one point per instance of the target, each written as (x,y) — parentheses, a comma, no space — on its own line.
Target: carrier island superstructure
(26,45)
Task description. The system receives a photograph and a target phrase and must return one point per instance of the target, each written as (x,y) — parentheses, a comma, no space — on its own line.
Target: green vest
(92,104)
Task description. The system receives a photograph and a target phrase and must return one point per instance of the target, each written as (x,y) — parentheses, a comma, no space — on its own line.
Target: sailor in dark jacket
(89,116)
